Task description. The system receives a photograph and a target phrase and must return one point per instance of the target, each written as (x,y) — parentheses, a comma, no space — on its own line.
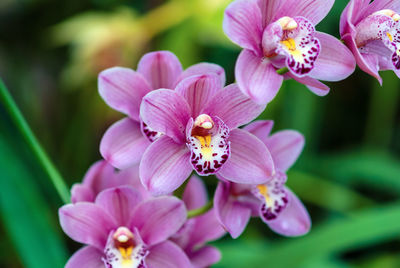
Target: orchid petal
(230,213)
(204,68)
(160,68)
(315,86)
(256,77)
(198,90)
(261,129)
(250,161)
(164,166)
(206,228)
(205,257)
(81,193)
(233,107)
(86,223)
(123,89)
(195,194)
(158,218)
(382,4)
(242,24)
(167,255)
(166,111)
(86,257)
(294,220)
(123,144)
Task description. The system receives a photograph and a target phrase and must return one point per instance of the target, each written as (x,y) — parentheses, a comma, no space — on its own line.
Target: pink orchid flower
(275,34)
(372,32)
(101,176)
(199,120)
(273,202)
(199,230)
(122,89)
(121,229)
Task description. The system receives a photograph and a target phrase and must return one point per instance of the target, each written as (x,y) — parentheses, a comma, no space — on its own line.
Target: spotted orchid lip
(208,144)
(149,133)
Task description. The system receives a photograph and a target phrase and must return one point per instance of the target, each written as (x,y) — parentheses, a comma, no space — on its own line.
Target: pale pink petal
(233,107)
(230,212)
(268,10)
(86,223)
(204,68)
(285,147)
(198,90)
(195,194)
(160,68)
(167,255)
(260,128)
(88,257)
(315,86)
(123,89)
(123,144)
(335,61)
(243,25)
(256,77)
(81,193)
(250,161)
(294,220)
(165,166)
(158,218)
(206,228)
(119,202)
(166,111)
(382,4)
(205,257)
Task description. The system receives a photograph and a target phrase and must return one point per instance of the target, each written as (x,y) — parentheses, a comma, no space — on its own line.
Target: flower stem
(197,212)
(30,138)
(282,70)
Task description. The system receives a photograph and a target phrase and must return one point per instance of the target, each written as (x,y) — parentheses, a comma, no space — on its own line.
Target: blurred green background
(50,54)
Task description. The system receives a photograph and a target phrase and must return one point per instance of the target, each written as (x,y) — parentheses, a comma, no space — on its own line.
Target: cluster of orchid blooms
(182,125)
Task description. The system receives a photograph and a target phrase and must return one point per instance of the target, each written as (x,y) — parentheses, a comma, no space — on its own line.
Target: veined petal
(164,166)
(268,10)
(86,257)
(206,228)
(119,203)
(81,193)
(198,90)
(261,129)
(294,220)
(313,10)
(86,223)
(167,255)
(205,257)
(233,107)
(243,25)
(250,161)
(159,218)
(123,89)
(335,61)
(195,194)
(382,4)
(230,213)
(166,111)
(315,86)
(204,68)
(373,27)
(256,77)
(123,144)
(160,68)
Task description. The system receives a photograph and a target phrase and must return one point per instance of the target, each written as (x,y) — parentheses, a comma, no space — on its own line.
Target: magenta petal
(165,166)
(268,10)
(205,257)
(285,147)
(158,218)
(204,68)
(86,223)
(119,203)
(123,90)
(198,90)
(160,68)
(89,257)
(256,77)
(335,61)
(166,111)
(243,24)
(260,128)
(230,213)
(81,193)
(315,86)
(233,107)
(195,194)
(382,4)
(167,255)
(250,161)
(206,228)
(313,10)
(294,220)
(123,144)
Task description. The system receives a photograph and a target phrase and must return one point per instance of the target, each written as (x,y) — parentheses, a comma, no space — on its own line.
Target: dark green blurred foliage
(50,54)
